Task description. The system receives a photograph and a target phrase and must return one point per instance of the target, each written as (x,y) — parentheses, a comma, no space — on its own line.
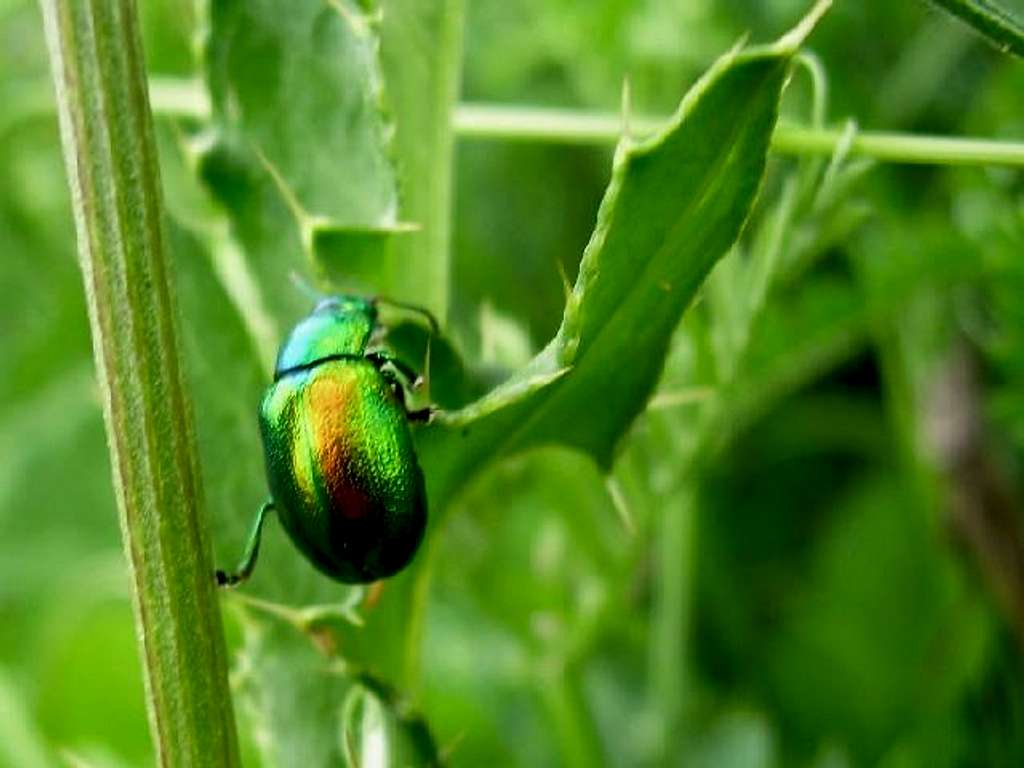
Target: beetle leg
(420,414)
(381,358)
(396,385)
(252,551)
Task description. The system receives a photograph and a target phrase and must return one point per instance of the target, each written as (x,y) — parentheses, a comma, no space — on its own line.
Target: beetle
(343,474)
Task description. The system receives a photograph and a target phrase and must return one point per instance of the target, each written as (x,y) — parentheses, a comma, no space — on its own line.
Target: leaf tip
(793,39)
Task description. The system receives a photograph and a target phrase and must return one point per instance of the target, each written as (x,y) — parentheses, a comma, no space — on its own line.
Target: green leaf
(312,709)
(294,696)
(990,20)
(298,149)
(375,732)
(674,206)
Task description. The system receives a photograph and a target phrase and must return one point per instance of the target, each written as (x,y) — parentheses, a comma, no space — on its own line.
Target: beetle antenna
(435,329)
(303,286)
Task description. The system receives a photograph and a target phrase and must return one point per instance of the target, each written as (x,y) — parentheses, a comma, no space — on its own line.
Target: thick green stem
(110,153)
(421,47)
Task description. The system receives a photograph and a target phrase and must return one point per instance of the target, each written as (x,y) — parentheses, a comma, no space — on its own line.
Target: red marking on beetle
(352,503)
(339,481)
(330,398)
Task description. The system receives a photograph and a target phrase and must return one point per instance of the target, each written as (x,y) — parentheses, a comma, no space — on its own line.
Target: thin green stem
(543,124)
(169,97)
(183,98)
(110,153)
(488,121)
(901,147)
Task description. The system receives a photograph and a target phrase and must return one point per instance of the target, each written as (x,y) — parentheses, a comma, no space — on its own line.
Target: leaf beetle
(340,462)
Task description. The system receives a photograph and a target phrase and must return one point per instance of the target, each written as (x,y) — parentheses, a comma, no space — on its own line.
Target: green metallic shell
(342,469)
(338,326)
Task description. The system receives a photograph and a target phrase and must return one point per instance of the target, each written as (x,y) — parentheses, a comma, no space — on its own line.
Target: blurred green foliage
(821,565)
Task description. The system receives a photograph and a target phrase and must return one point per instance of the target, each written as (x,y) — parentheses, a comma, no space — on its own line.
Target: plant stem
(110,154)
(421,53)
(184,98)
(901,147)
(990,20)
(487,121)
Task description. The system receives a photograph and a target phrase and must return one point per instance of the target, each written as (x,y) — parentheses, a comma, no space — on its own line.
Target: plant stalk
(564,126)
(421,54)
(989,19)
(110,153)
(184,98)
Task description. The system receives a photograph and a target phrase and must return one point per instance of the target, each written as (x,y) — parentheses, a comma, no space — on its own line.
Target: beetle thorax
(338,327)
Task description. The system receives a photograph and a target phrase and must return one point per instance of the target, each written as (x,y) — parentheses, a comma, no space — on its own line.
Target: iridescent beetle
(340,461)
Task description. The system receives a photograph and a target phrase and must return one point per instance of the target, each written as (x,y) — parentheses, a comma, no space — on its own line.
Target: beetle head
(339,326)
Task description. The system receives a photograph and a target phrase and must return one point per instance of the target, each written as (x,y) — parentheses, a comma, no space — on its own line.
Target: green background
(846,585)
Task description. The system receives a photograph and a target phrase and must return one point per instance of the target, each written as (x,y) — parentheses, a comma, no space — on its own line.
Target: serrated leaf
(282,80)
(298,149)
(674,206)
(294,696)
